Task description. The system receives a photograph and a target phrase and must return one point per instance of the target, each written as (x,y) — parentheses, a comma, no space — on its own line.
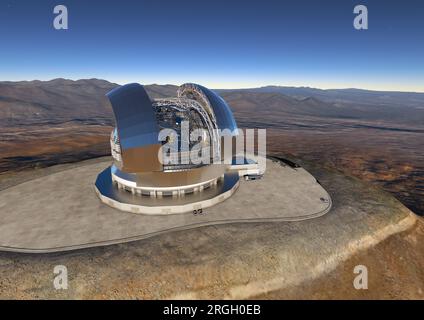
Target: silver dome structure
(141,179)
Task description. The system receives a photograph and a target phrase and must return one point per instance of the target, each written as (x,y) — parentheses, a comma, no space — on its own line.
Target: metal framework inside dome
(189,106)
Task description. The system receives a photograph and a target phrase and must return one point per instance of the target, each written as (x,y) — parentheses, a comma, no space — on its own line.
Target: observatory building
(156,146)
(170,159)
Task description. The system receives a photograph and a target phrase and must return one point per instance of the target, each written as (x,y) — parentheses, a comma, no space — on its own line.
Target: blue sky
(221,44)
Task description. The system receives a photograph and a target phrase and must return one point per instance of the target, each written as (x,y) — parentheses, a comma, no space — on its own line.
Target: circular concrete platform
(124,200)
(61,211)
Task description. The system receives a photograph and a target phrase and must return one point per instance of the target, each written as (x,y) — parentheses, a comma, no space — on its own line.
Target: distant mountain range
(393,98)
(57,100)
(61,100)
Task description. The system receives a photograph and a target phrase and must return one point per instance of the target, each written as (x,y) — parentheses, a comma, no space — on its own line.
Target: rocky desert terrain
(359,144)
(376,136)
(310,259)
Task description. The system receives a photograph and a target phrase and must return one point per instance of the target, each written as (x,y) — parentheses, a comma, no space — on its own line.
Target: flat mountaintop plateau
(364,147)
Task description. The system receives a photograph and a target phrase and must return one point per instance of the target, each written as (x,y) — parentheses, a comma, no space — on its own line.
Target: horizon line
(229,88)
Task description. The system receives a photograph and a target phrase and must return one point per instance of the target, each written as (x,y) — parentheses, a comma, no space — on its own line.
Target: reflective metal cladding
(138,120)
(135,117)
(137,128)
(222,112)
(224,115)
(138,181)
